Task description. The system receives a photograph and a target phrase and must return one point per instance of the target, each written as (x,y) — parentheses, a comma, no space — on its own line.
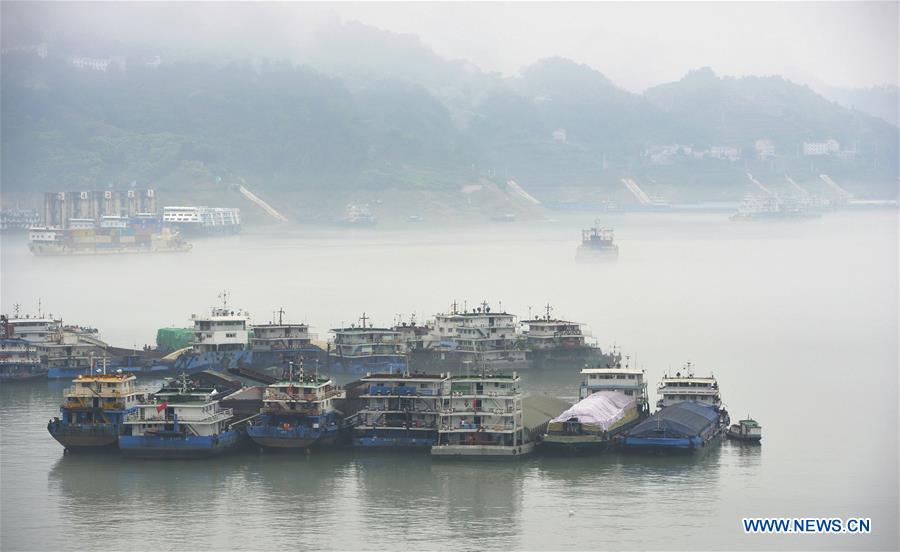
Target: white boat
(685,386)
(616,377)
(481,415)
(183,421)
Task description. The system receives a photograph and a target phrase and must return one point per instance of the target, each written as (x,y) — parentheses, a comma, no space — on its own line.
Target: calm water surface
(798,321)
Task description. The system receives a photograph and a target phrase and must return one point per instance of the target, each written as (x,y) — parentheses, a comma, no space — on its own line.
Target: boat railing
(141,416)
(272,395)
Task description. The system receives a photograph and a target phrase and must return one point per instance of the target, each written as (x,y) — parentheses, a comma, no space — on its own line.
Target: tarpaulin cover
(602,409)
(686,419)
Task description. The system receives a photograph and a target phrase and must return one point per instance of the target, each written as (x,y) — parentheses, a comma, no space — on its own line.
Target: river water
(798,321)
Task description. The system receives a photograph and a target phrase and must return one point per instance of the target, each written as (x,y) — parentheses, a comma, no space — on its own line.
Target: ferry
(685,426)
(398,410)
(481,416)
(685,386)
(595,423)
(94,410)
(221,341)
(365,348)
(616,377)
(183,421)
(552,341)
(19,361)
(299,413)
(597,243)
(747,430)
(479,338)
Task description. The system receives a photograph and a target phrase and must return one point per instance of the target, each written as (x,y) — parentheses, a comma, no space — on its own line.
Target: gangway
(834,186)
(633,187)
(262,204)
(796,186)
(760,184)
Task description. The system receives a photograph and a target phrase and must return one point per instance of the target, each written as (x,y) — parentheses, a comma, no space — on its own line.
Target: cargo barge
(594,424)
(108,235)
(686,426)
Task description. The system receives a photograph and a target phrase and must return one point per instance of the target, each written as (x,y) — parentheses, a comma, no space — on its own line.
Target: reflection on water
(788,317)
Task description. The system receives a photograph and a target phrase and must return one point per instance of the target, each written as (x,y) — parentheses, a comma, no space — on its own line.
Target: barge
(593,424)
(686,426)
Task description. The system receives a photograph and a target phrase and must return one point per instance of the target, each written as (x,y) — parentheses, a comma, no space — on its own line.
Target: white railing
(160,417)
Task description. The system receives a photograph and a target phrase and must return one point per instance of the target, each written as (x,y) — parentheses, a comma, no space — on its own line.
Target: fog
(638,45)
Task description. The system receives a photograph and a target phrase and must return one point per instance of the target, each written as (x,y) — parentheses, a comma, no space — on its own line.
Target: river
(797,320)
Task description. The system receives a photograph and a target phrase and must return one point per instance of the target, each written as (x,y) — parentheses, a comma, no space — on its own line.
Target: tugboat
(299,412)
(93,413)
(747,430)
(183,421)
(597,243)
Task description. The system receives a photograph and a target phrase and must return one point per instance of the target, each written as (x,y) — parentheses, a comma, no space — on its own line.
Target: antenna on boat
(280,313)
(363,320)
(548,309)
(16,309)
(224,297)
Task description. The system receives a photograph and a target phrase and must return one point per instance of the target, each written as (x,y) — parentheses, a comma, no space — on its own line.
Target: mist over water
(798,321)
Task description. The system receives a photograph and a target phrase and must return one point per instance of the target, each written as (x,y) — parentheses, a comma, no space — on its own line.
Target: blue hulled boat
(684,426)
(298,413)
(94,410)
(183,421)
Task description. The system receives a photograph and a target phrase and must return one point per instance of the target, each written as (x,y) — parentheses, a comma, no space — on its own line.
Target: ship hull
(375,365)
(86,442)
(663,446)
(67,251)
(569,356)
(224,361)
(276,438)
(441,361)
(753,439)
(22,373)
(175,448)
(482,451)
(394,442)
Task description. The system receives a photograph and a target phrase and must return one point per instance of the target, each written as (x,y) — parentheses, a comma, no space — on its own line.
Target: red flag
(161,407)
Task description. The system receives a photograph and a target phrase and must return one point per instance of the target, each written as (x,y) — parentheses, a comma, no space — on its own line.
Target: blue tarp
(686,419)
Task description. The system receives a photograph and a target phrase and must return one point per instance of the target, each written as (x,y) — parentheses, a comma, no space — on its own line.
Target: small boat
(747,430)
(597,243)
